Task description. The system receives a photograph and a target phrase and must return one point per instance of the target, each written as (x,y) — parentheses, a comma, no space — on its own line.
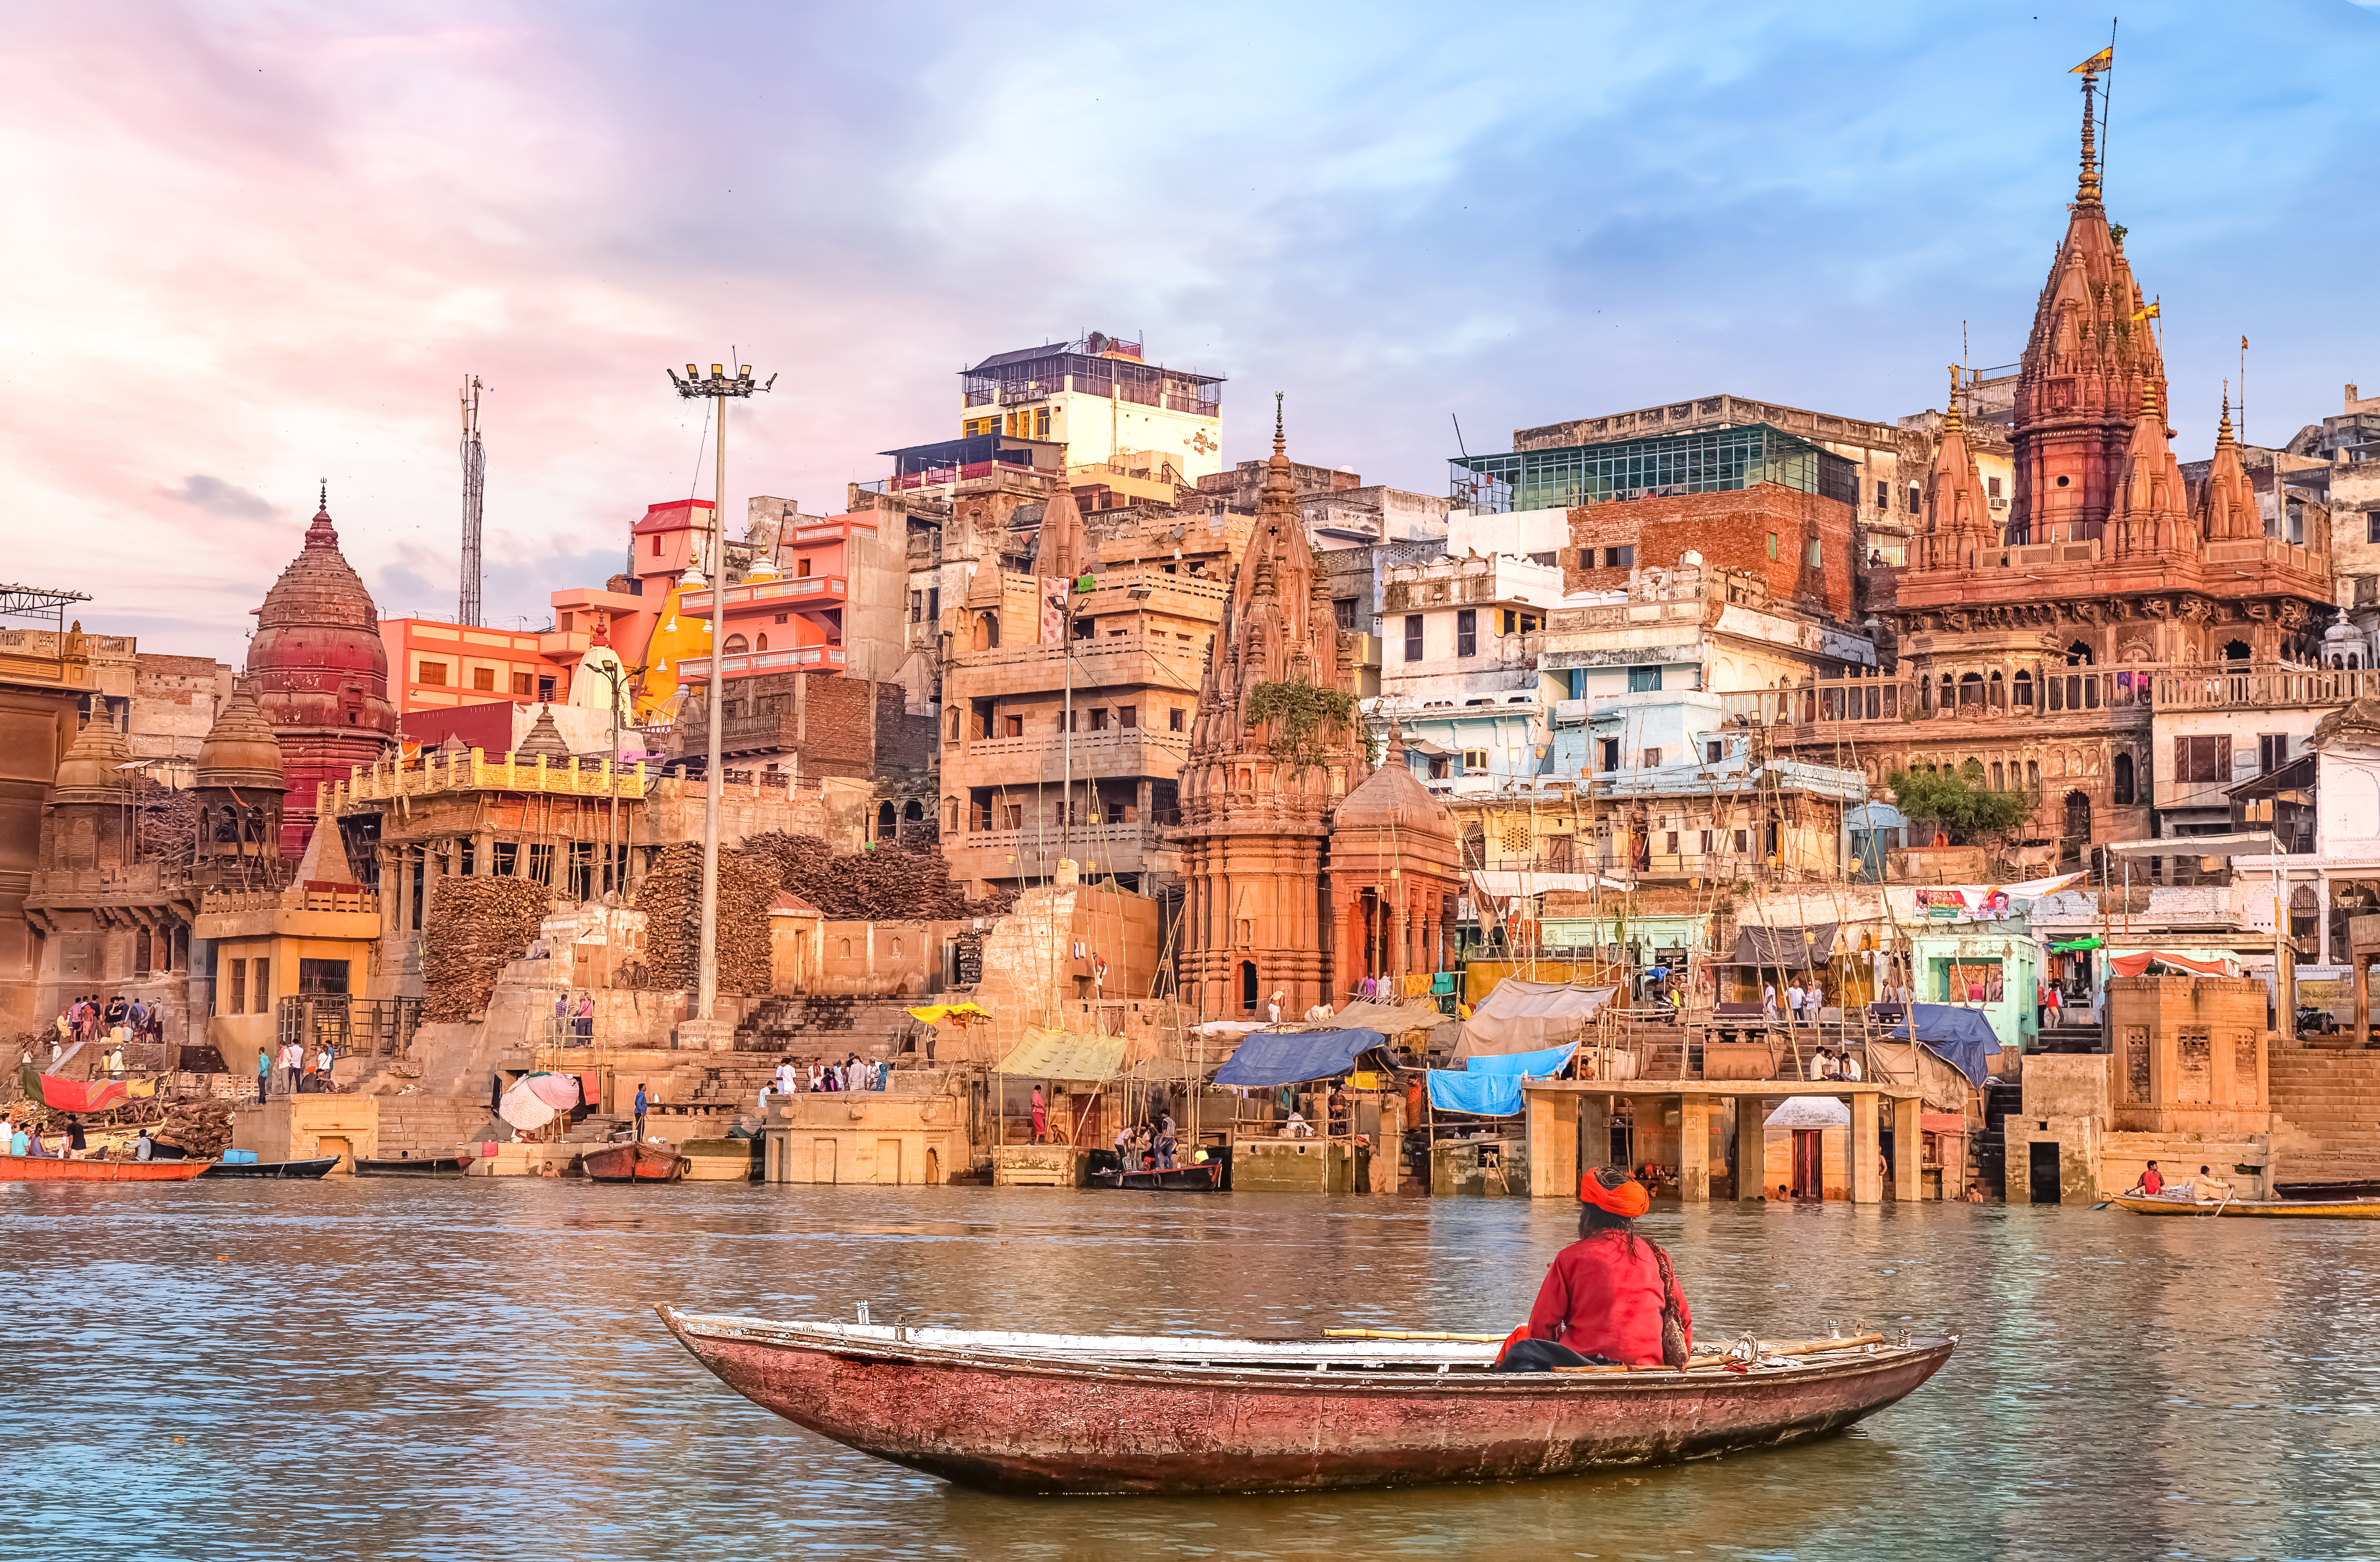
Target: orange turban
(1628,1201)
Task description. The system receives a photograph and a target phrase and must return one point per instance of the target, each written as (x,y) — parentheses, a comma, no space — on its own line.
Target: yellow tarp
(950,1014)
(1065,1054)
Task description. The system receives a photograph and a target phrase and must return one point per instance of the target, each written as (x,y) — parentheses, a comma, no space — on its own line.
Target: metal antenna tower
(475,476)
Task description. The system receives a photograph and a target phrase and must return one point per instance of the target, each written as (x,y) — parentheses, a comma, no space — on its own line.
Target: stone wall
(1730,529)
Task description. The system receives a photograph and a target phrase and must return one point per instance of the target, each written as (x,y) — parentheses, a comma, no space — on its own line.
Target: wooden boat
(413,1165)
(1076,1414)
(1204,1177)
(2331,1191)
(313,1167)
(46,1168)
(2259,1209)
(634,1163)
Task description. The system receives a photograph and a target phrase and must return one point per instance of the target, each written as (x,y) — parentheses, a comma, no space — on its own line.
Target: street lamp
(719,387)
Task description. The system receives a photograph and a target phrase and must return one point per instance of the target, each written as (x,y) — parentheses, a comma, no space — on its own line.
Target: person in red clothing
(1604,1296)
(2151,1181)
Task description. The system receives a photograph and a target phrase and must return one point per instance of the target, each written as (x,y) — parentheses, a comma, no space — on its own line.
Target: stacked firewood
(200,1128)
(670,898)
(890,884)
(474,926)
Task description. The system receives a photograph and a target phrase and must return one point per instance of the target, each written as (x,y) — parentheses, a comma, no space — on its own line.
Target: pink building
(787,614)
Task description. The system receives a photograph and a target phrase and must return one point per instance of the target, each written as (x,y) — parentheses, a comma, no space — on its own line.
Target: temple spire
(1953,423)
(2086,189)
(2223,429)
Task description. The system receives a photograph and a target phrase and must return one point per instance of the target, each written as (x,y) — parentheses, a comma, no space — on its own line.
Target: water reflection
(452,1370)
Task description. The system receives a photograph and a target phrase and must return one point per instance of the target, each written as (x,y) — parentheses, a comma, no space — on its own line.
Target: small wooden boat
(634,1163)
(47,1168)
(313,1167)
(2257,1208)
(413,1165)
(1090,1414)
(1205,1177)
(2329,1191)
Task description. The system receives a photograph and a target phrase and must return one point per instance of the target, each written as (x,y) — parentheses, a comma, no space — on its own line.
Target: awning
(557,1090)
(1960,1037)
(1072,1055)
(2245,844)
(950,1014)
(1542,1065)
(2076,946)
(76,1095)
(1480,1095)
(1520,1016)
(1785,948)
(1293,1057)
(1506,882)
(1390,1018)
(524,1109)
(1229,1027)
(2182,965)
(1810,1111)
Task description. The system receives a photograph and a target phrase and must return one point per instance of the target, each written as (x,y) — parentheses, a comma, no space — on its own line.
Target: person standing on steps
(640,1114)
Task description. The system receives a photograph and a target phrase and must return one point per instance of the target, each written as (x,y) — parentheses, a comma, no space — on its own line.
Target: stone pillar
(483,854)
(1908,1149)
(1693,1149)
(1867,1173)
(1553,1119)
(1751,1147)
(1594,1132)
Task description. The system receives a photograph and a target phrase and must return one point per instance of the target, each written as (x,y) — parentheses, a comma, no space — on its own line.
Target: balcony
(1032,848)
(2220,686)
(1040,758)
(794,659)
(1136,658)
(807,591)
(765,732)
(437,772)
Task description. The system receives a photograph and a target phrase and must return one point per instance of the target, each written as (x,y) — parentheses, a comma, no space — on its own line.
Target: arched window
(1971,691)
(987,631)
(950,815)
(954,724)
(2079,655)
(2237,651)
(884,822)
(1971,772)
(846,948)
(1248,986)
(2033,776)
(1999,692)
(2023,684)
(142,953)
(2076,836)
(762,644)
(913,813)
(2000,783)
(2120,791)
(737,645)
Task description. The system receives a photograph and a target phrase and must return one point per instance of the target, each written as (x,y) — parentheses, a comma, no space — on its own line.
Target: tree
(1959,806)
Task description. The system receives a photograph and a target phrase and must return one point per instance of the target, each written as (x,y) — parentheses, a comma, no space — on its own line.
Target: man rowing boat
(1607,1297)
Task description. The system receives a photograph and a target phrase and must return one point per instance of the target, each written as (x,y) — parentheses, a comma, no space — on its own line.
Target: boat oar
(1779,1348)
(1408,1334)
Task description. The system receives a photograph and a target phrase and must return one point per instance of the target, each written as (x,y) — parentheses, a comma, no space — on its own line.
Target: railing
(297,897)
(2056,690)
(2216,688)
(970,471)
(1093,843)
(697,669)
(794,589)
(1140,749)
(354,1027)
(439,772)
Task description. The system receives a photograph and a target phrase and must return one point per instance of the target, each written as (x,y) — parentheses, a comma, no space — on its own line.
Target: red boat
(1087,1415)
(634,1163)
(45,1168)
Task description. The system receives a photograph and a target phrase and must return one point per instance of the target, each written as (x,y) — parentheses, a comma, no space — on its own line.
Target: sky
(258,246)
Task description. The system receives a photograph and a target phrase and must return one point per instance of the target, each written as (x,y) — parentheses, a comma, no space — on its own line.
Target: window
(1713,750)
(1474,759)
(238,987)
(737,645)
(430,672)
(1883,495)
(1413,637)
(1086,629)
(2272,752)
(1705,845)
(2023,684)
(1814,558)
(523,686)
(2371,526)
(657,543)
(1643,680)
(1917,498)
(1609,756)
(2119,791)
(1438,768)
(916,607)
(1013,726)
(1772,544)
(1040,422)
(801,568)
(2202,758)
(1128,718)
(1173,719)
(1620,557)
(1343,609)
(934,604)
(1549,558)
(263,992)
(954,724)
(545,688)
(326,977)
(484,678)
(1099,718)
(760,642)
(1991,488)
(1652,759)
(1011,816)
(1467,632)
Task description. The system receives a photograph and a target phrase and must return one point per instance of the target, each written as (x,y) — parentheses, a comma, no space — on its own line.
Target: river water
(461,1371)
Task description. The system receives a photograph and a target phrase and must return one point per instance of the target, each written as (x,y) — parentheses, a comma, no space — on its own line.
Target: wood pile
(890,884)
(200,1128)
(670,898)
(473,928)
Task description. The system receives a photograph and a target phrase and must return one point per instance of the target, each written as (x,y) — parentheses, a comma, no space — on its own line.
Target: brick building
(1799,545)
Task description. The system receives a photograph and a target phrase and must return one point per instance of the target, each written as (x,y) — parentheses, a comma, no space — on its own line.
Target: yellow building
(303,948)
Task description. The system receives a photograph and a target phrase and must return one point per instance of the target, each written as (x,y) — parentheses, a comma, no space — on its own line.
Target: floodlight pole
(719,387)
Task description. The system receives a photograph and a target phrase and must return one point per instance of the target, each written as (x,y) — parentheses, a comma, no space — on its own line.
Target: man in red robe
(1603,1296)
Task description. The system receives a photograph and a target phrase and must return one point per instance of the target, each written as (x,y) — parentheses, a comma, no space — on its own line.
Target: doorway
(1809,1163)
(887,1162)
(2041,1171)
(329,1144)
(823,1160)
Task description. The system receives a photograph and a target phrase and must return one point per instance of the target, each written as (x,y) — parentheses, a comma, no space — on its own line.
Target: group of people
(817,1076)
(574,1018)
(1148,1146)
(120,1019)
(290,1061)
(1835,1063)
(2205,1189)
(1802,1001)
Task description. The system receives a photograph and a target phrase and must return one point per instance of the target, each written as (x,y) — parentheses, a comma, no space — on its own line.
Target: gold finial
(2148,399)
(1952,425)
(2223,431)
(2086,189)
(1278,444)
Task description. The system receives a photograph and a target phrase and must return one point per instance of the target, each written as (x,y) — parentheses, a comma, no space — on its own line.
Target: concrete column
(483,854)
(1594,1132)
(1867,1175)
(1908,1151)
(1751,1147)
(1553,1118)
(1693,1149)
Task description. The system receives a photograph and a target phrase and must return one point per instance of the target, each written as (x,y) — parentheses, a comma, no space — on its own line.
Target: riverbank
(459,1369)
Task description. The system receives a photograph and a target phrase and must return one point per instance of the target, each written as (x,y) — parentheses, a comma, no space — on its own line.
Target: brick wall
(835,732)
(1729,530)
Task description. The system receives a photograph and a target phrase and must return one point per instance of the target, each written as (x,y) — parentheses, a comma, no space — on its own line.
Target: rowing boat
(310,1167)
(410,1166)
(1092,1414)
(1202,1176)
(635,1163)
(49,1168)
(2258,1209)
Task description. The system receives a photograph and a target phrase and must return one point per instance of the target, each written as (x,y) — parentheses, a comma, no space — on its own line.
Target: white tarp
(524,1109)
(1811,1112)
(1525,1016)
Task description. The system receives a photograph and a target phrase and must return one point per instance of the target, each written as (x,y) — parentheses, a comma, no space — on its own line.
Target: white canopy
(1525,1016)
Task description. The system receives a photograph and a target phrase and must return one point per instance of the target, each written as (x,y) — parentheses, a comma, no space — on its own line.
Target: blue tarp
(1486,1096)
(1292,1057)
(1542,1064)
(1962,1036)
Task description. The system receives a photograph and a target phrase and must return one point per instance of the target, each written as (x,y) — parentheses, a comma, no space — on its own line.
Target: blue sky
(272,238)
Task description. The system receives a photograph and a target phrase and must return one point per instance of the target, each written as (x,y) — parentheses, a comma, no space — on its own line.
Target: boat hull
(2259,1209)
(1206,1177)
(312,1167)
(1047,1426)
(433,1165)
(634,1163)
(42,1168)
